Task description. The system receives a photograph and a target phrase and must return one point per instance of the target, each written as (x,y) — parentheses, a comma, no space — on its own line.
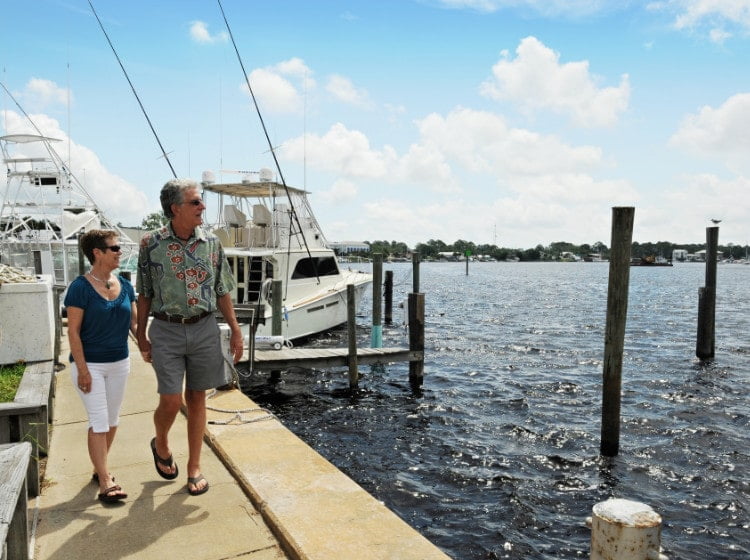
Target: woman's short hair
(95,239)
(173,193)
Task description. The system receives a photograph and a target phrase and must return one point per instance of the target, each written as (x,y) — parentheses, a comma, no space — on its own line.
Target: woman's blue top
(104,330)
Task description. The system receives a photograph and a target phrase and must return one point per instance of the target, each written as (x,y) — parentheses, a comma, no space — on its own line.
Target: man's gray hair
(173,193)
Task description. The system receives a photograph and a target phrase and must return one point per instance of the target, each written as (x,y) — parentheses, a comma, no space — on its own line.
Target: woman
(101,309)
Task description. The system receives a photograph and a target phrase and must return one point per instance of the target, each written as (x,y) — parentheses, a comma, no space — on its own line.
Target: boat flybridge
(269,233)
(44,209)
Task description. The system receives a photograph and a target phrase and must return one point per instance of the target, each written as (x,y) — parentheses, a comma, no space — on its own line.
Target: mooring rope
(237,413)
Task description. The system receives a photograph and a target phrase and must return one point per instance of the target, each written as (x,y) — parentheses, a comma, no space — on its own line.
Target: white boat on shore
(44,209)
(269,233)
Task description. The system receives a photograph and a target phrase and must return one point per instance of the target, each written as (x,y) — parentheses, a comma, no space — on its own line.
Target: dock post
(276,316)
(625,530)
(614,334)
(705,342)
(416,338)
(415,272)
(388,318)
(377,300)
(351,327)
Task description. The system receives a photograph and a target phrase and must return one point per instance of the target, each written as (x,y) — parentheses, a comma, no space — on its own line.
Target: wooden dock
(351,357)
(330,357)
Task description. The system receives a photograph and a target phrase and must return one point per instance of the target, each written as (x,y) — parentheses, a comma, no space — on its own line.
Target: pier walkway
(330,357)
(271,496)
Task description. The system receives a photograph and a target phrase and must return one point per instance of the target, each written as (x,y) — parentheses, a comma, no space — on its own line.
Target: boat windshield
(307,267)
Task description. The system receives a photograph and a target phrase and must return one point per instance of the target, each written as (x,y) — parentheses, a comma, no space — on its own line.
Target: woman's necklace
(106,284)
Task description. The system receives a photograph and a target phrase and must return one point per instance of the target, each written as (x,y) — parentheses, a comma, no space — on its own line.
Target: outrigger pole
(268,139)
(148,120)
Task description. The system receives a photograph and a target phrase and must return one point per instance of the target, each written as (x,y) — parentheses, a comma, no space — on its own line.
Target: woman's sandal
(109,498)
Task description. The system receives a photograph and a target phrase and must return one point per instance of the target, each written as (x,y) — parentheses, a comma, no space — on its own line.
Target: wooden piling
(415,272)
(614,336)
(276,320)
(377,301)
(416,338)
(351,326)
(388,318)
(705,340)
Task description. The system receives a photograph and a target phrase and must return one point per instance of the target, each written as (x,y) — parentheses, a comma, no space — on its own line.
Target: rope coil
(12,275)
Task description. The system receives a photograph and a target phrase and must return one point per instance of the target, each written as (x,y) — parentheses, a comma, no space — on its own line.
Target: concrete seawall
(271,495)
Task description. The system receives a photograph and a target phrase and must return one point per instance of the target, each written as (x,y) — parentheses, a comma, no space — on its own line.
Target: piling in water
(415,272)
(705,340)
(416,338)
(388,288)
(351,329)
(377,301)
(614,336)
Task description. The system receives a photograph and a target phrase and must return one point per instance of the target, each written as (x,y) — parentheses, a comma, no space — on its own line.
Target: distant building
(701,255)
(679,255)
(347,247)
(448,256)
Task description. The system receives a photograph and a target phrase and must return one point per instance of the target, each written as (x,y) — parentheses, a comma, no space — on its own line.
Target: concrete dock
(271,496)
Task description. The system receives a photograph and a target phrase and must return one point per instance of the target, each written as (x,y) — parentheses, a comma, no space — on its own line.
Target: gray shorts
(189,353)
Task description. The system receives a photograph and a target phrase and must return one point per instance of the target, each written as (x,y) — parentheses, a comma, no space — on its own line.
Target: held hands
(144,345)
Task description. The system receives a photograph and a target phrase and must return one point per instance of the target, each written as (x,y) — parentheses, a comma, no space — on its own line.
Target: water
(498,456)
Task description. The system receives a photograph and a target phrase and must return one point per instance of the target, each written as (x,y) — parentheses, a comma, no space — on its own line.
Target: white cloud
(118,199)
(719,35)
(281,88)
(692,13)
(536,79)
(548,8)
(200,34)
(39,94)
(478,171)
(343,151)
(480,141)
(701,197)
(341,191)
(712,17)
(344,90)
(722,133)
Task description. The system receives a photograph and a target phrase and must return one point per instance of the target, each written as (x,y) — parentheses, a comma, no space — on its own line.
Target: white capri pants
(104,400)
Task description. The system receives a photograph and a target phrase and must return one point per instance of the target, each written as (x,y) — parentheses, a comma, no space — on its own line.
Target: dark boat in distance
(650,261)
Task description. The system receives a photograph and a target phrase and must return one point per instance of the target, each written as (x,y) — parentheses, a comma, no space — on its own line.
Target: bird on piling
(714,220)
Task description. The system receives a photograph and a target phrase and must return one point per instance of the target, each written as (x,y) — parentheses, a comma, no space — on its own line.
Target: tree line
(554,251)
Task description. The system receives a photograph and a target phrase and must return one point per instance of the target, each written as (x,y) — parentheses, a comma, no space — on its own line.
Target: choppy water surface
(498,457)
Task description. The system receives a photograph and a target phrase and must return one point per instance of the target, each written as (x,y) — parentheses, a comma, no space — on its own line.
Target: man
(183,277)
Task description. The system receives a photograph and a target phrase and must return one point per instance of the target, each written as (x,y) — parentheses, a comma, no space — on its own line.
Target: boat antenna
(268,139)
(25,114)
(145,114)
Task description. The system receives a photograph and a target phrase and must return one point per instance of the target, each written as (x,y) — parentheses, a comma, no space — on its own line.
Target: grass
(10,378)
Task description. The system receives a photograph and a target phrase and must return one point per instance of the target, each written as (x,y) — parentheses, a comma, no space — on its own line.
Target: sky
(511,122)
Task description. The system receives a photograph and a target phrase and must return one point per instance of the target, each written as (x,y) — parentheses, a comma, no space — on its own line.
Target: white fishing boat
(269,233)
(44,210)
